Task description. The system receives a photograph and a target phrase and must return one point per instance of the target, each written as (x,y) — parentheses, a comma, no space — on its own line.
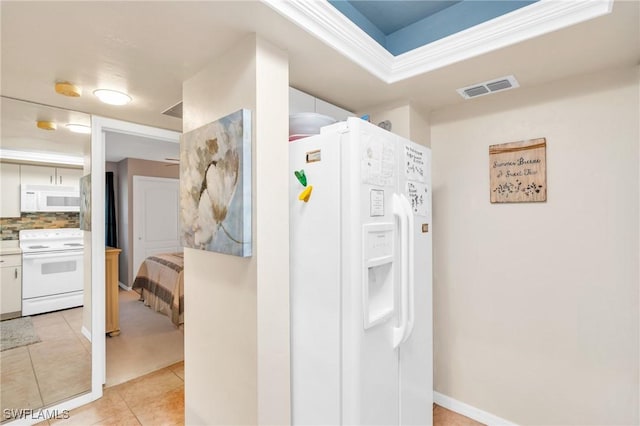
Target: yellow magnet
(304,195)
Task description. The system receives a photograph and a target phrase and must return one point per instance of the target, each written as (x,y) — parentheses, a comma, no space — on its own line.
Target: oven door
(49,273)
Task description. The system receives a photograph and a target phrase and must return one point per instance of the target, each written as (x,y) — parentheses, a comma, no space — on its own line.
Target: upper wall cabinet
(42,175)
(10,190)
(69,177)
(303,102)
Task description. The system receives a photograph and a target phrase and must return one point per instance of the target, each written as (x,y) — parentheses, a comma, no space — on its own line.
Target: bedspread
(161,281)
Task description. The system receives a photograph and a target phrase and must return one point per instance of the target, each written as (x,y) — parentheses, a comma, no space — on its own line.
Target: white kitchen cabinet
(10,286)
(69,177)
(10,190)
(300,101)
(43,175)
(37,175)
(325,108)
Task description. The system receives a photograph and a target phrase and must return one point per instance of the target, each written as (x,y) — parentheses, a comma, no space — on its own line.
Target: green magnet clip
(302,178)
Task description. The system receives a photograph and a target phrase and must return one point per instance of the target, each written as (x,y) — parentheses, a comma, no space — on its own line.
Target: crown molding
(326,23)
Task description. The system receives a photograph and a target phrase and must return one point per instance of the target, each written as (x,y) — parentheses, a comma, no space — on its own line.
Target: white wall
(398,115)
(536,305)
(406,121)
(419,128)
(272,233)
(236,315)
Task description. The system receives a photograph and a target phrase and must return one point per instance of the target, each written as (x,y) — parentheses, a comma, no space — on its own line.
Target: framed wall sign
(518,172)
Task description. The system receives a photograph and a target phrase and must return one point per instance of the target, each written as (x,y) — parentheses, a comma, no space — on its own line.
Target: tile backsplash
(10,226)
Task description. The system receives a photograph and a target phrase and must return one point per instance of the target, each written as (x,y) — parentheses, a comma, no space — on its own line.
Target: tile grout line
(35,376)
(171,369)
(127,404)
(74,333)
(137,378)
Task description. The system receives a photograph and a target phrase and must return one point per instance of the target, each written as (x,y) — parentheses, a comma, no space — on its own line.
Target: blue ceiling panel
(390,16)
(348,10)
(403,25)
(459,17)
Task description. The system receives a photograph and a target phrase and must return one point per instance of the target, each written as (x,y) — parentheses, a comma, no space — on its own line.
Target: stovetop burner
(45,240)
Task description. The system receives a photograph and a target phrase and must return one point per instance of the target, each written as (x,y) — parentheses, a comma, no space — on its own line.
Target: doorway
(116,355)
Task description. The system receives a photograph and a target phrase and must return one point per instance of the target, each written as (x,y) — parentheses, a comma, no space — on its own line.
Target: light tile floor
(158,399)
(154,399)
(148,341)
(31,376)
(55,369)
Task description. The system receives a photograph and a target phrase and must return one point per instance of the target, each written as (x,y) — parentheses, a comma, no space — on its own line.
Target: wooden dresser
(112,325)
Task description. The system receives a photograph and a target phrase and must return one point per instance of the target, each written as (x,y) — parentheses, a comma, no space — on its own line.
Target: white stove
(43,240)
(52,269)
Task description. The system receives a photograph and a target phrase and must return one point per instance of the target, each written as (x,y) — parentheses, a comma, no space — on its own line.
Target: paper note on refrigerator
(414,163)
(378,161)
(417,195)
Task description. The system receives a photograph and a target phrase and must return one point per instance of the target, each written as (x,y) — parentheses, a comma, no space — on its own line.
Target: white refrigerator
(361,286)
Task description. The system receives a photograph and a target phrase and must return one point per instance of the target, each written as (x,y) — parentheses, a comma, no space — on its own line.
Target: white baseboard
(124,287)
(469,411)
(86,333)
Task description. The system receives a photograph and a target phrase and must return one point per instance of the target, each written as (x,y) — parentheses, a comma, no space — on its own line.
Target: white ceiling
(149,48)
(19,131)
(119,146)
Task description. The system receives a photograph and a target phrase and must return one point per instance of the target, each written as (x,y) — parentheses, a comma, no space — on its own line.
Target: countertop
(10,247)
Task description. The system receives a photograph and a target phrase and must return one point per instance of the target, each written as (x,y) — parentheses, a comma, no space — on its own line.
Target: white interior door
(156,205)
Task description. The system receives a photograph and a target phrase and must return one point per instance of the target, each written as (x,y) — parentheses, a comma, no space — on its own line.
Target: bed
(160,282)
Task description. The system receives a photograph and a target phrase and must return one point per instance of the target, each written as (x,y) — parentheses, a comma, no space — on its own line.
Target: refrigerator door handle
(399,211)
(410,268)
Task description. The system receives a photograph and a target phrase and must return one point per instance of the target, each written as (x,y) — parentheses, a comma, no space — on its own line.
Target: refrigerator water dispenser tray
(378,288)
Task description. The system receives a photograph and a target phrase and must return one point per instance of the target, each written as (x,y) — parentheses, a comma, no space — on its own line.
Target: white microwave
(49,198)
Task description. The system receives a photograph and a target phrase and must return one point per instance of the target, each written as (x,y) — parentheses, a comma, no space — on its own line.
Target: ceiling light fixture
(46,125)
(112,97)
(79,128)
(67,89)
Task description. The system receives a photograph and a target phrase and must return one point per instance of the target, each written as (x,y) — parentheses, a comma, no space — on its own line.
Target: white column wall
(229,345)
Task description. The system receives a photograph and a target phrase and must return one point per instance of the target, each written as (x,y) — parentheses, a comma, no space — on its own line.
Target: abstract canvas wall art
(215,186)
(85,203)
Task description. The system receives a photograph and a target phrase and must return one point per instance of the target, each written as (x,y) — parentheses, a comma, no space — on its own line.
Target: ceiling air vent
(488,87)
(174,111)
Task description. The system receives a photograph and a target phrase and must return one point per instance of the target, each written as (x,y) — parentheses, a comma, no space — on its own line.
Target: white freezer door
(315,281)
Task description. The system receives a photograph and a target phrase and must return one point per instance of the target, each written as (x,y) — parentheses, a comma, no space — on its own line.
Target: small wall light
(67,89)
(46,125)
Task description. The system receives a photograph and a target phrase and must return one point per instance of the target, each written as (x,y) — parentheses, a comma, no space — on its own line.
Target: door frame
(137,180)
(99,127)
